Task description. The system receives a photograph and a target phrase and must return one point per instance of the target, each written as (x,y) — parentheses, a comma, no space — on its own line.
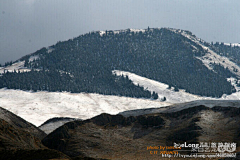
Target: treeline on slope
(159,54)
(56,81)
(230,51)
(221,71)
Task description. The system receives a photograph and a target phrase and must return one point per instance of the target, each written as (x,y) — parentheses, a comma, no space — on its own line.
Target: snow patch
(49,127)
(101,33)
(234,83)
(194,48)
(137,30)
(50,49)
(32,58)
(18,67)
(232,44)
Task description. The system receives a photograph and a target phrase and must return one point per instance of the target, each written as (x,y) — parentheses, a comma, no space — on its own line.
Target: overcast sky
(28,25)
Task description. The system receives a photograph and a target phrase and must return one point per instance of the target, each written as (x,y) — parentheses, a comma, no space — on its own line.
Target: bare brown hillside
(117,137)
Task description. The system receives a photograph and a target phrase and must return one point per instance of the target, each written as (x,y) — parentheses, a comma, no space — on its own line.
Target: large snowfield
(40,106)
(37,107)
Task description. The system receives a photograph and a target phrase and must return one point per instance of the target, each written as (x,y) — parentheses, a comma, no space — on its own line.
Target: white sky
(28,25)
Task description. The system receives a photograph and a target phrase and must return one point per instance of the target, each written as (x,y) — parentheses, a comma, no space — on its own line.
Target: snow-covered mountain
(208,59)
(153,59)
(84,64)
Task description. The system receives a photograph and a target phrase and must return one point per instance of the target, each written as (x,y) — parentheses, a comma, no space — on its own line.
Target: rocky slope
(118,137)
(19,123)
(21,140)
(15,138)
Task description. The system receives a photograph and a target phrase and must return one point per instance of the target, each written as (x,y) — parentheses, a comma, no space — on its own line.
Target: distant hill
(85,64)
(53,123)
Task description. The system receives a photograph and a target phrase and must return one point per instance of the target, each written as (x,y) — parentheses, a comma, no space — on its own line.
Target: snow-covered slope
(211,57)
(172,96)
(161,88)
(37,107)
(40,106)
(18,66)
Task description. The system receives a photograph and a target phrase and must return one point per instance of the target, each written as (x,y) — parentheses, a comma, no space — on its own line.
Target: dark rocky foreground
(34,154)
(118,137)
(20,140)
(123,137)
